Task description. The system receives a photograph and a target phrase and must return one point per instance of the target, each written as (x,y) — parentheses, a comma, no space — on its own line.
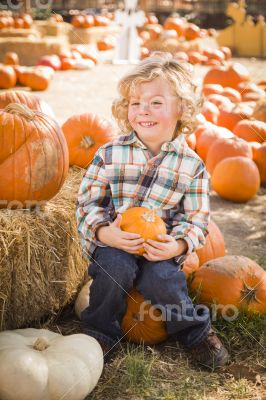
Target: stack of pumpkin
(7,20)
(12,74)
(89,21)
(178,35)
(208,271)
(79,57)
(231,138)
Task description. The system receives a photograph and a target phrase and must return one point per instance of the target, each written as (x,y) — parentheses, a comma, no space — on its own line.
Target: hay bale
(25,33)
(52,28)
(163,44)
(41,262)
(30,50)
(91,35)
(172,45)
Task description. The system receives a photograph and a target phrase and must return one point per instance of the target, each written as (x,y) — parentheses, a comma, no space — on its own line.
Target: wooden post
(25,6)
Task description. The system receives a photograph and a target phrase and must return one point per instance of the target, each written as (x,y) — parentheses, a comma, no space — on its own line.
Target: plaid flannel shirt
(124,174)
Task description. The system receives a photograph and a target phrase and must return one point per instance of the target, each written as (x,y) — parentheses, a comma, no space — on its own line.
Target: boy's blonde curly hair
(178,74)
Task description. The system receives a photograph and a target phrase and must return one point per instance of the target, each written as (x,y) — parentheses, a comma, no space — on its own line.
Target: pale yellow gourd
(83,299)
(37,364)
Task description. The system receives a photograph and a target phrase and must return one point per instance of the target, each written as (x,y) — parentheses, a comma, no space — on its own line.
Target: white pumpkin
(83,299)
(37,364)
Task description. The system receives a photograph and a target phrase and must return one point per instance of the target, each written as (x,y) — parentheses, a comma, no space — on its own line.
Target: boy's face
(153,111)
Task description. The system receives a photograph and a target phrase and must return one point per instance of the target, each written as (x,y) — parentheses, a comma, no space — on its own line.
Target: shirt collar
(174,145)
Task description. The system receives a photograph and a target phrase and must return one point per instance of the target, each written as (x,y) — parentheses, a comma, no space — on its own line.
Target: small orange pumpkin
(143,323)
(175,23)
(143,221)
(106,43)
(8,77)
(11,58)
(214,246)
(192,32)
(232,280)
(236,179)
(84,134)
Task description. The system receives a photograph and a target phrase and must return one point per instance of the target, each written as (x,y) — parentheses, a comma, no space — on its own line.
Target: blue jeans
(114,274)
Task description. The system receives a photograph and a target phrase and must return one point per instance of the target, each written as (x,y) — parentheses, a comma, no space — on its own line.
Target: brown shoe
(210,353)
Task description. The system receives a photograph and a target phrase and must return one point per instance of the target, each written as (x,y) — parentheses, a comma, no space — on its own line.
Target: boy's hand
(113,236)
(159,251)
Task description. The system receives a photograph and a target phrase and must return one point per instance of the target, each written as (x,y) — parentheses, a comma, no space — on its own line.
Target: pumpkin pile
(12,74)
(88,20)
(231,134)
(182,39)
(7,20)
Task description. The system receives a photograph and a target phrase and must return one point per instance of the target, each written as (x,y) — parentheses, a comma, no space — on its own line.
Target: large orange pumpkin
(36,78)
(207,137)
(143,323)
(223,148)
(33,159)
(259,156)
(143,221)
(214,246)
(84,134)
(229,116)
(230,75)
(251,130)
(23,97)
(232,280)
(236,179)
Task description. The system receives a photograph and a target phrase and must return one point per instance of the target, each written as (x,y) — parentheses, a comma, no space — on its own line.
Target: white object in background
(127,48)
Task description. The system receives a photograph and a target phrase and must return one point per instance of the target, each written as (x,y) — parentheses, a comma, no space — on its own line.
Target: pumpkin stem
(249,294)
(41,344)
(149,216)
(135,317)
(15,108)
(87,142)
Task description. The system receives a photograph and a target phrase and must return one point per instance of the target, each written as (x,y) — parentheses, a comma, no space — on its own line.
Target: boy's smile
(153,112)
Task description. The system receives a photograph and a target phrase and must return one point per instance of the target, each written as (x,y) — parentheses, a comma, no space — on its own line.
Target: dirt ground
(74,92)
